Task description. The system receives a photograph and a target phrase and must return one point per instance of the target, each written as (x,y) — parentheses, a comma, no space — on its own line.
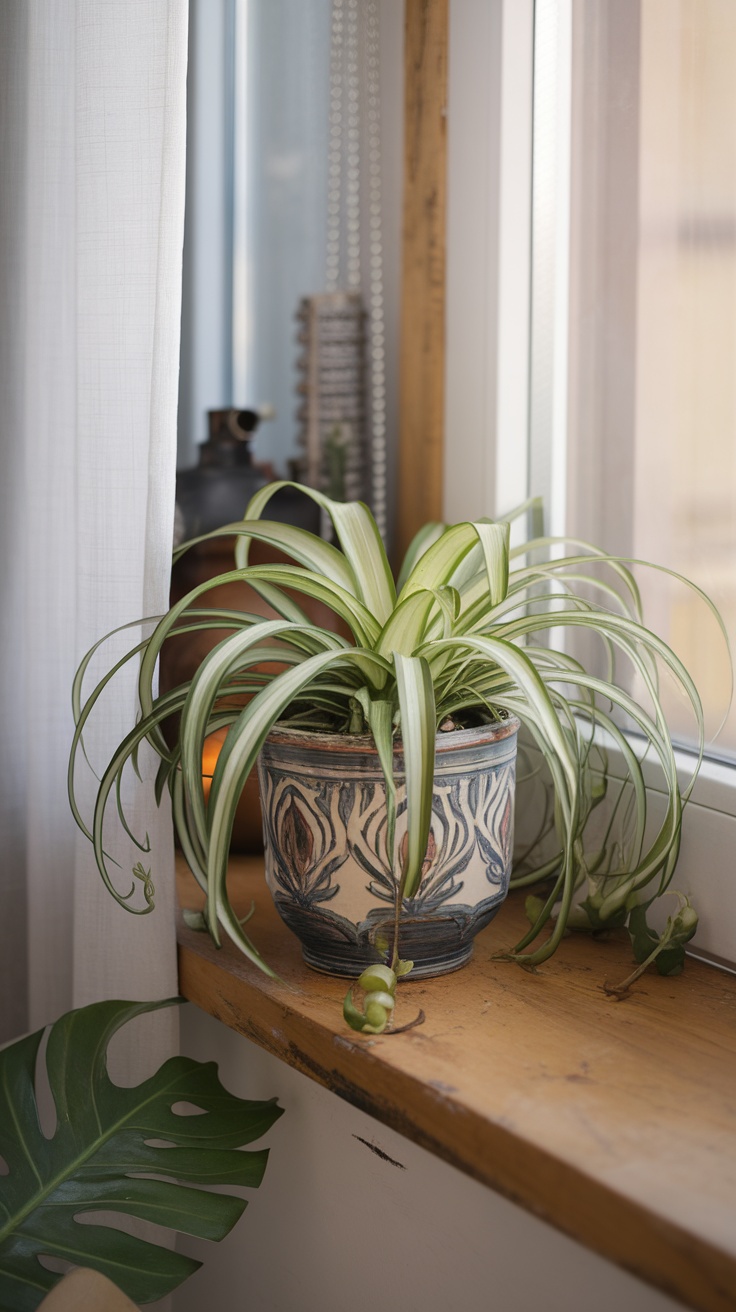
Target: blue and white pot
(324,821)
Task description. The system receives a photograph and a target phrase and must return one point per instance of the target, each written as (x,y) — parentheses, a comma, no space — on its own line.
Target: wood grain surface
(613,1121)
(422,348)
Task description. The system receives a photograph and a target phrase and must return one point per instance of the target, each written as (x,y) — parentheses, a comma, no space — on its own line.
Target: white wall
(335,1227)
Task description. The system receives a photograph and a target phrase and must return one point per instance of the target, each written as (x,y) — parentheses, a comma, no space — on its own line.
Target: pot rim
(456,740)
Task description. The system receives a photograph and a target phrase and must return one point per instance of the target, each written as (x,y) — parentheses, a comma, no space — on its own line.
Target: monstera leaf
(108,1144)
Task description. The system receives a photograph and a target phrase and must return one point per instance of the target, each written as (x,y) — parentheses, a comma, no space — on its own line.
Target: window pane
(652,376)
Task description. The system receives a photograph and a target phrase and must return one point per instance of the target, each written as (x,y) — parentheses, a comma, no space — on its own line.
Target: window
(258,150)
(651,454)
(592,319)
(256,204)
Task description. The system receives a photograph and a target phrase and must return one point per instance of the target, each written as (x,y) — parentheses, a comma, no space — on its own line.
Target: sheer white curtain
(92,156)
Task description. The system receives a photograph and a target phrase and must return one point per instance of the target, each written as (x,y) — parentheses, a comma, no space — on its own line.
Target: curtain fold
(92,143)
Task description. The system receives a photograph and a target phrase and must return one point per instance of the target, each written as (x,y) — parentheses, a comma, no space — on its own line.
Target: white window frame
(491,45)
(506,367)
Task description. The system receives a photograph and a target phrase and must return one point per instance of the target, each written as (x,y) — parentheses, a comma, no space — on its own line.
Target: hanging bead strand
(335,151)
(352,172)
(377,336)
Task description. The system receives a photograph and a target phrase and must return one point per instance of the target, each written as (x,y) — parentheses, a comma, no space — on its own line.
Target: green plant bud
(194,919)
(686,923)
(382,998)
(598,789)
(354,1018)
(533,908)
(376,1016)
(378,978)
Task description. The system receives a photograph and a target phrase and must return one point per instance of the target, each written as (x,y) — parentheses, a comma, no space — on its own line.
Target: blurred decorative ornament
(332,384)
(217,490)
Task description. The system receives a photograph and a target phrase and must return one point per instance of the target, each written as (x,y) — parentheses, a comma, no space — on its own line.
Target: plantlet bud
(378,978)
(382,999)
(686,923)
(533,908)
(376,1016)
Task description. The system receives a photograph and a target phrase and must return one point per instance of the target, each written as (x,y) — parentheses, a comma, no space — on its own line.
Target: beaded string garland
(342,373)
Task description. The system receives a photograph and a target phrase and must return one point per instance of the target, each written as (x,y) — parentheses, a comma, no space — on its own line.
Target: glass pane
(282,85)
(652,395)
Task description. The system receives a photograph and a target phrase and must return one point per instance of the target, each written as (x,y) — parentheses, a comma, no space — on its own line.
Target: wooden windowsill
(613,1121)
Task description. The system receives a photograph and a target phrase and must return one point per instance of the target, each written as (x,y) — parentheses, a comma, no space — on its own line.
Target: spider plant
(457,641)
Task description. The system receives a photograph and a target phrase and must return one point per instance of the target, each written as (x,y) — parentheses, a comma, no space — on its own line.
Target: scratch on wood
(380,1153)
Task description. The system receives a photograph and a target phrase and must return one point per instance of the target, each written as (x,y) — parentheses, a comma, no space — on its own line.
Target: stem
(620,990)
(411,1025)
(397,916)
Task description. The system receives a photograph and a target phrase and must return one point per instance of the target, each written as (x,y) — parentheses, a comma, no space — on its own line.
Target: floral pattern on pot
(324,821)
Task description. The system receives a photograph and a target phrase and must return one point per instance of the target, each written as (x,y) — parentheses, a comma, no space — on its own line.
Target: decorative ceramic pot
(324,822)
